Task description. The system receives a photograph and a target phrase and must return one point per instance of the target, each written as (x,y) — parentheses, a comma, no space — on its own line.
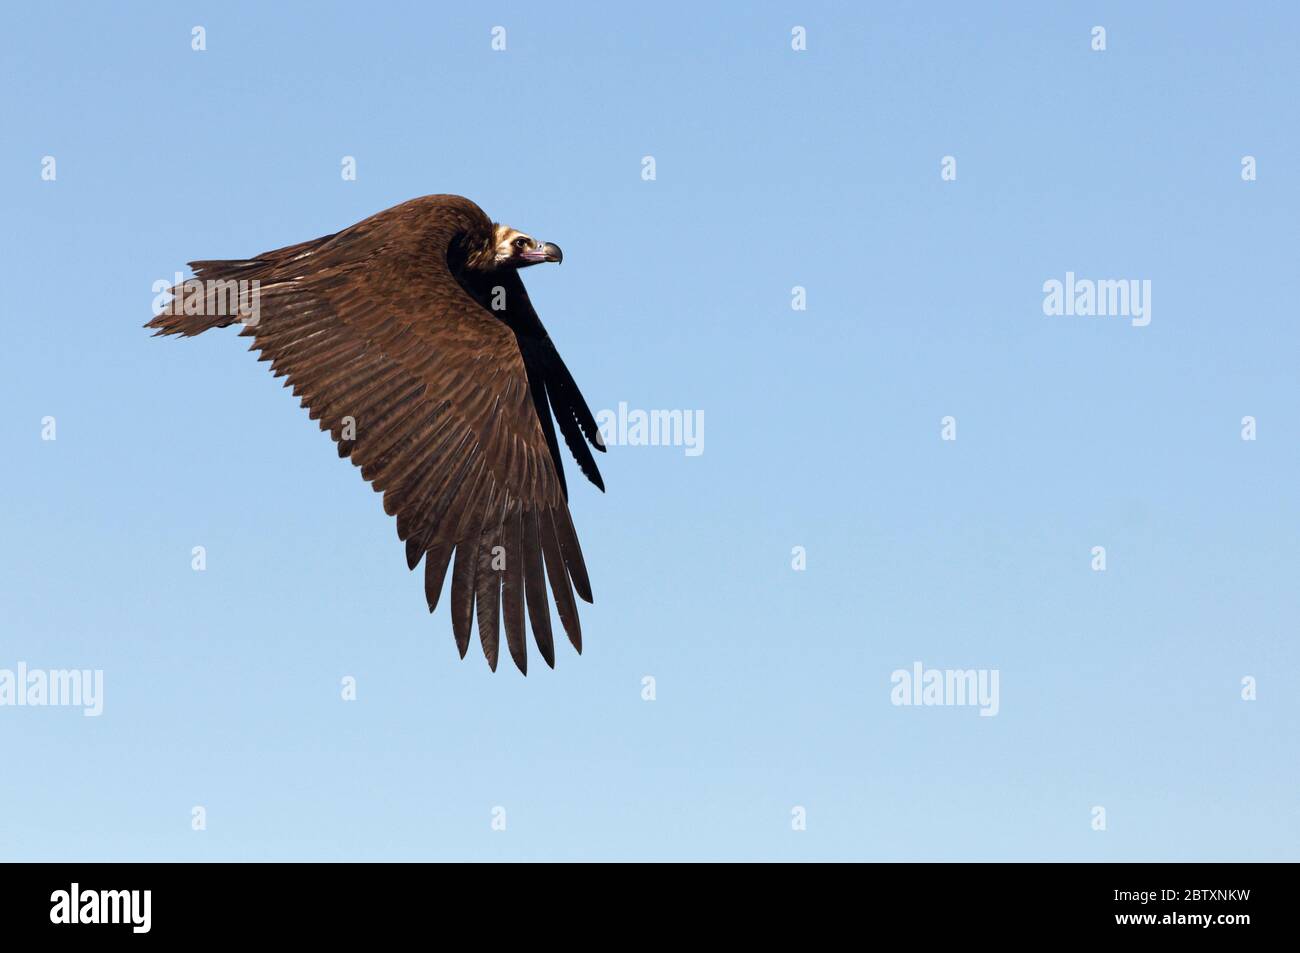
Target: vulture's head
(513,249)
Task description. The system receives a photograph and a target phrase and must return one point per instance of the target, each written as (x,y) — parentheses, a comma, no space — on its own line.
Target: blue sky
(774,169)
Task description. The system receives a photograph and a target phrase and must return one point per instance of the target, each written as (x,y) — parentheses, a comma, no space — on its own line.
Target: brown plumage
(410,337)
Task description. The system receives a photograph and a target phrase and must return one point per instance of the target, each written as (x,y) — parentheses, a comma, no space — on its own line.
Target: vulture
(410,337)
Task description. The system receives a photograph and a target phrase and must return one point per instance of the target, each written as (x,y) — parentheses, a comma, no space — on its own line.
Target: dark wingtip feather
(487,596)
(561,586)
(512,592)
(573,438)
(568,540)
(462,595)
(435,571)
(539,612)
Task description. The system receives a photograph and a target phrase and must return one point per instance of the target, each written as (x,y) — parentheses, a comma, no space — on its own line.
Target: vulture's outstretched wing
(430,395)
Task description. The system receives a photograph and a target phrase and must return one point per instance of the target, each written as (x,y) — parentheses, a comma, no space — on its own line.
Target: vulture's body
(410,337)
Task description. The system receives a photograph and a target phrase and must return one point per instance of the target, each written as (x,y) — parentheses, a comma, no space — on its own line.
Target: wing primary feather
(435,571)
(413,554)
(512,591)
(571,397)
(487,595)
(577,446)
(539,610)
(462,592)
(538,387)
(560,586)
(573,560)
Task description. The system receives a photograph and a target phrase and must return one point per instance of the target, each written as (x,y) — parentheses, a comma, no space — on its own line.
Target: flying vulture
(410,337)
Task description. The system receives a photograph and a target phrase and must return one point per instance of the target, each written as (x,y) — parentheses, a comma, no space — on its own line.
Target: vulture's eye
(520,243)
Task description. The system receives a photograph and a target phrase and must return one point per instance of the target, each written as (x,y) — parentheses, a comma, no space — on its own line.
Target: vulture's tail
(223,293)
(220,294)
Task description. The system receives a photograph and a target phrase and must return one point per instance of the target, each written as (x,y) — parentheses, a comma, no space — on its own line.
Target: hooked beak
(543,252)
